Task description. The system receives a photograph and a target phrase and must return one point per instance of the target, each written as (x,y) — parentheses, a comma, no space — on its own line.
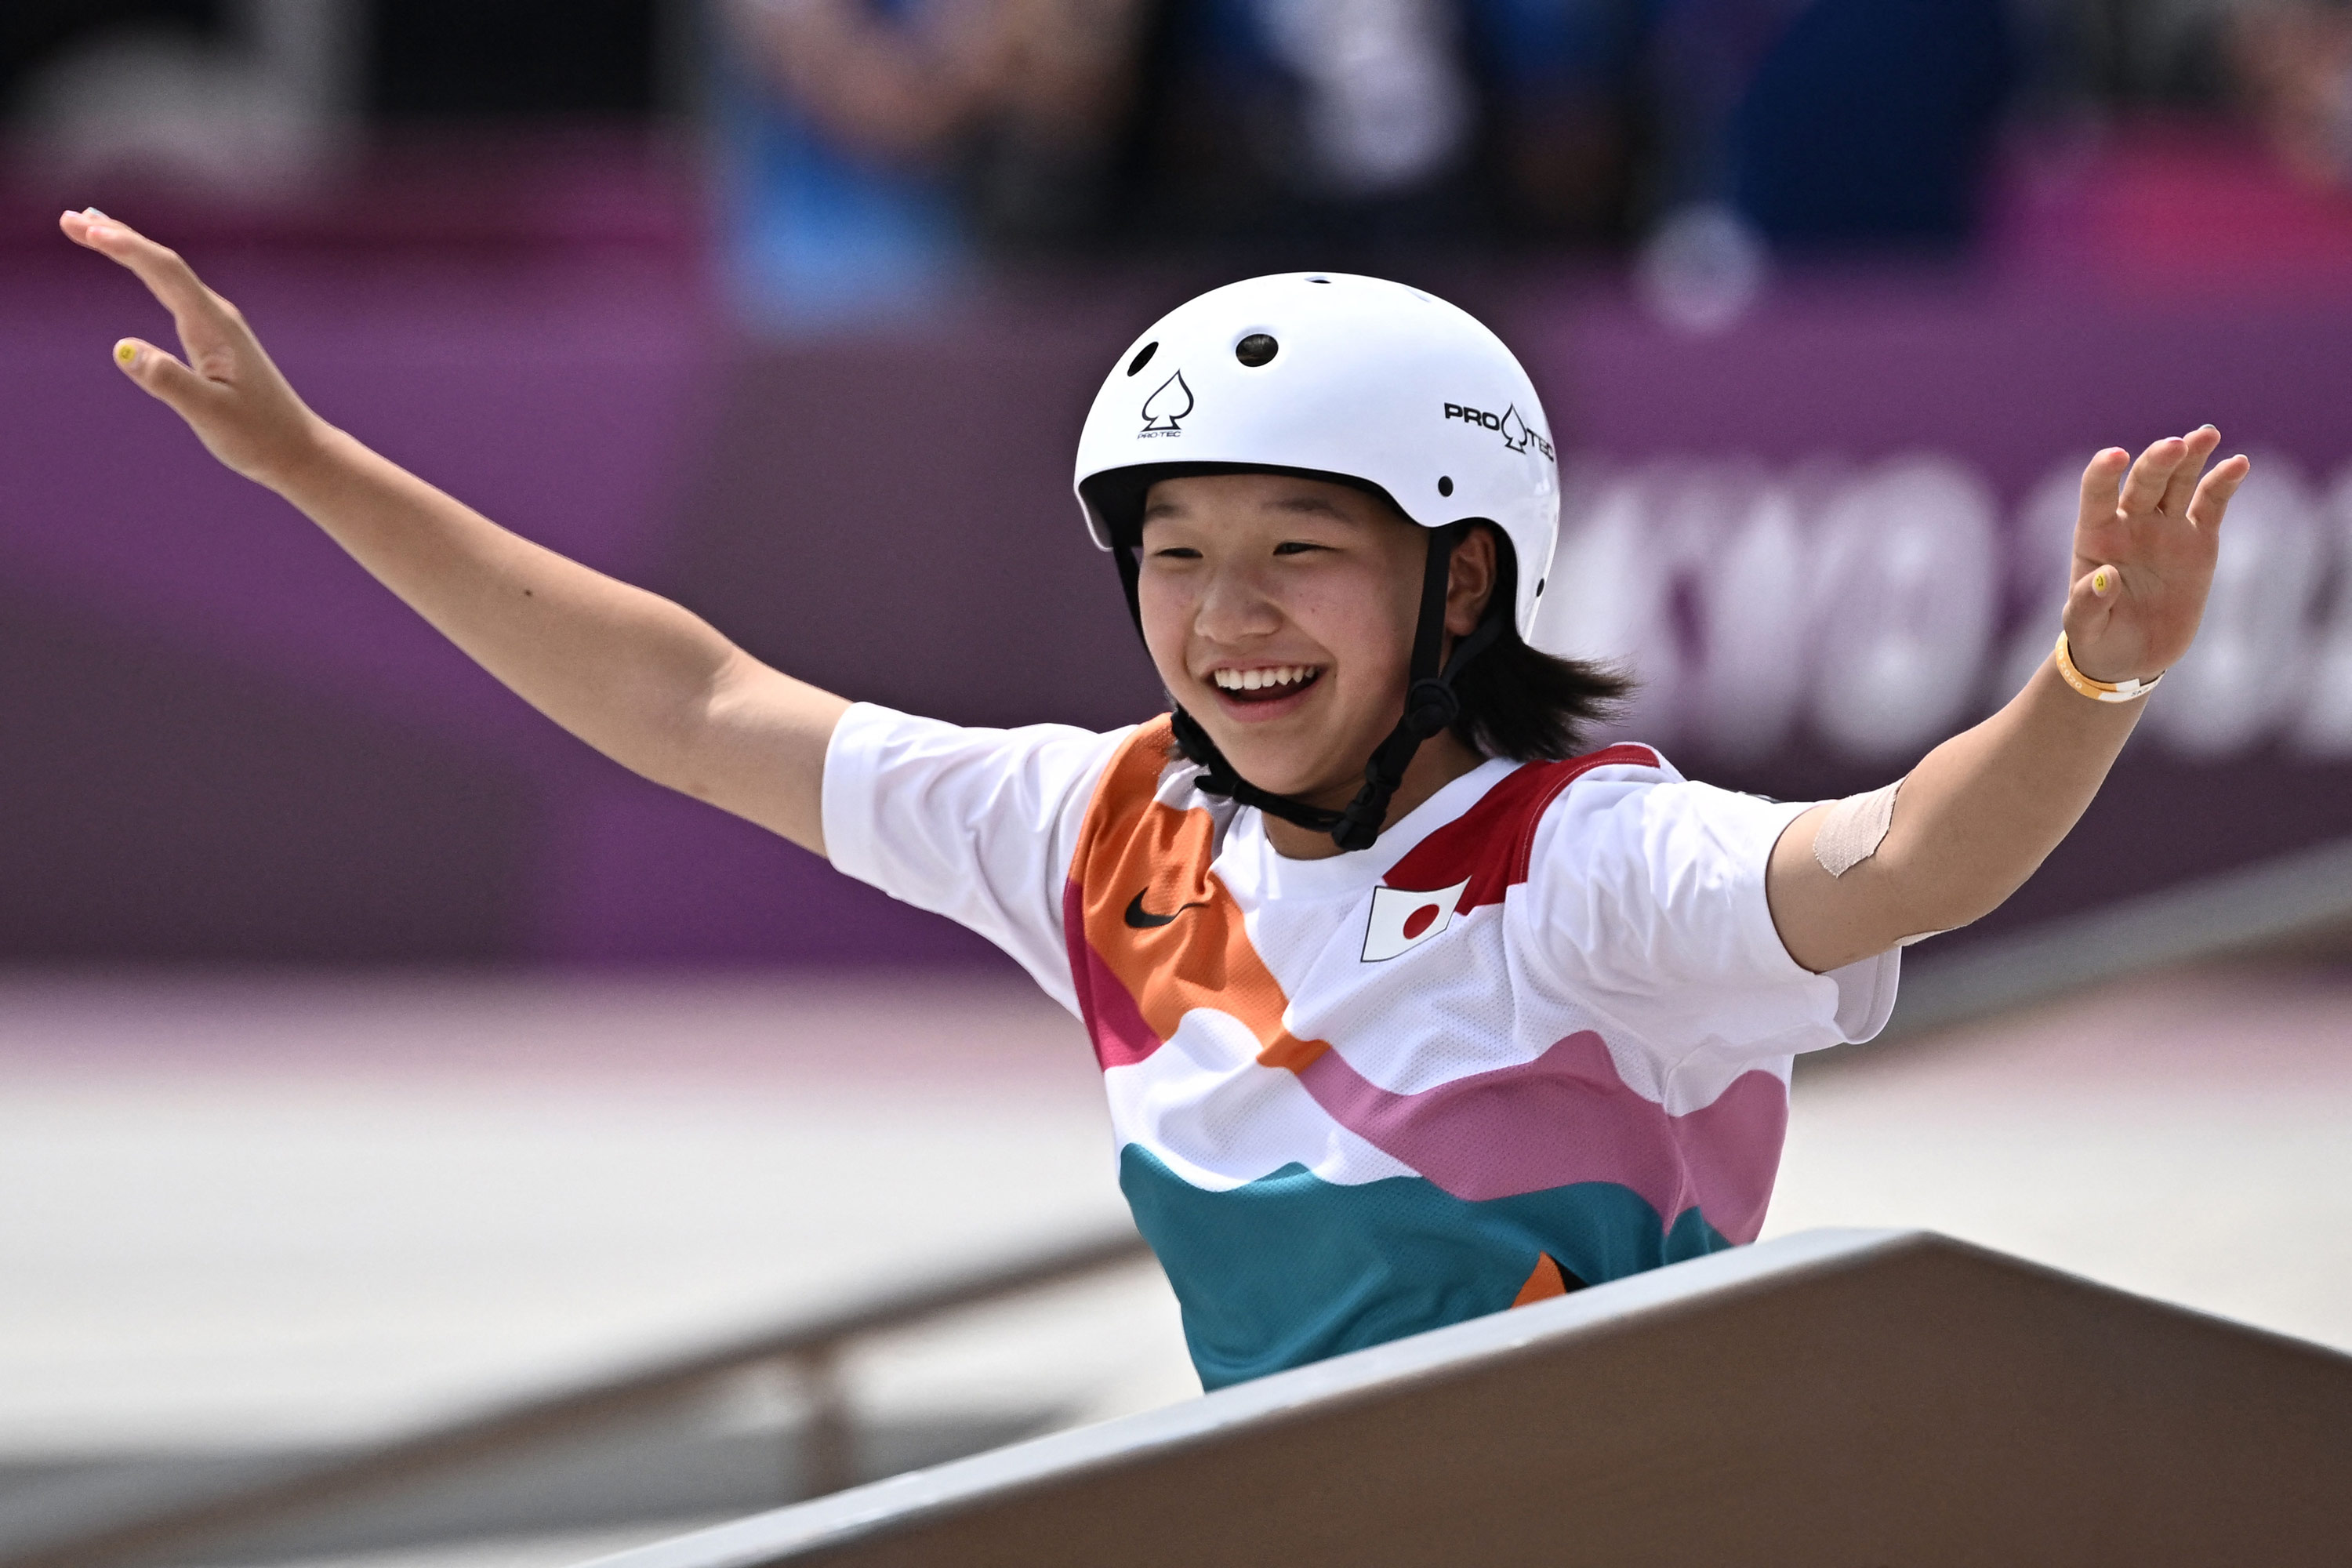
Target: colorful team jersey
(1536,1037)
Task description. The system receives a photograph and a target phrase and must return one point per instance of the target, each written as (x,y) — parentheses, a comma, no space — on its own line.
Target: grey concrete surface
(254,1220)
(316,1212)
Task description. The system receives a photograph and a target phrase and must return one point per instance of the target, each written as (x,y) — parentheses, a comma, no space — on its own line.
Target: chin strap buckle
(1431,708)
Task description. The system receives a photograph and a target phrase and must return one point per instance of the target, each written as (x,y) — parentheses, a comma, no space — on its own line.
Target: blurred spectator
(377,117)
(244,97)
(1304,120)
(1345,124)
(867,136)
(1566,123)
(1813,126)
(876,145)
(1832,122)
(1871,121)
(2106,56)
(2294,60)
(1814,123)
(1700,57)
(898,134)
(515,61)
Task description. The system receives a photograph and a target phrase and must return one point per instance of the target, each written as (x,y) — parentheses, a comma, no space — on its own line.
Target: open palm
(2144,546)
(227,389)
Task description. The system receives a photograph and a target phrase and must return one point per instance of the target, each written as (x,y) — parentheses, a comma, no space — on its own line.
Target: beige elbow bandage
(1854,828)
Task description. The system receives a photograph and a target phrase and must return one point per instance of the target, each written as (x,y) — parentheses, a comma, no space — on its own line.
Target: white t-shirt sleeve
(975,825)
(1647,894)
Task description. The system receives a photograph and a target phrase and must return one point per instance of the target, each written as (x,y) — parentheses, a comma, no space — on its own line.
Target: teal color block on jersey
(1289,1268)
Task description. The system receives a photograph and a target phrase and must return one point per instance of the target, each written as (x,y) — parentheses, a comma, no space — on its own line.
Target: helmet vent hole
(1143,357)
(1445,485)
(1256,350)
(1540,586)
(1318,281)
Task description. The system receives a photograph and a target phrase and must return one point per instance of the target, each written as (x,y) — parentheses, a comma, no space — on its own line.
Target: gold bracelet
(2101,690)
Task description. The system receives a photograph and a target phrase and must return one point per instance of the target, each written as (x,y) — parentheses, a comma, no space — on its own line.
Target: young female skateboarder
(1406,1010)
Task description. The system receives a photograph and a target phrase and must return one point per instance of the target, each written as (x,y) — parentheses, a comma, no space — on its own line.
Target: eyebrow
(1314,503)
(1309,503)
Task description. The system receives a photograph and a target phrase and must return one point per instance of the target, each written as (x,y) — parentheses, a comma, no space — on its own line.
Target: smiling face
(1280,614)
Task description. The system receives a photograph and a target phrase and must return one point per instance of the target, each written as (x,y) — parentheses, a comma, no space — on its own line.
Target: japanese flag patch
(1402,920)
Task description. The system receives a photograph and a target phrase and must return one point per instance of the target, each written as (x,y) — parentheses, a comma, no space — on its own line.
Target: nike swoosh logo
(1140,919)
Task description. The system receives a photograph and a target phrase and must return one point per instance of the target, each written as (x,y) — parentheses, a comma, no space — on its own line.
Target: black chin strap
(1430,710)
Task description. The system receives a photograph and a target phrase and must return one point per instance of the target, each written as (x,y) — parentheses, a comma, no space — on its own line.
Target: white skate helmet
(1327,373)
(1344,378)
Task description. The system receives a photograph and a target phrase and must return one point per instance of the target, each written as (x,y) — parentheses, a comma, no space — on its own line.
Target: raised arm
(1981,811)
(645,682)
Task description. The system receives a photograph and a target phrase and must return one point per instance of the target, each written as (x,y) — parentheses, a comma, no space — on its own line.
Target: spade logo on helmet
(1164,408)
(1516,432)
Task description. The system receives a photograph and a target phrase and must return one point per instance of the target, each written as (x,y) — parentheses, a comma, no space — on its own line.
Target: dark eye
(1177,553)
(1295,547)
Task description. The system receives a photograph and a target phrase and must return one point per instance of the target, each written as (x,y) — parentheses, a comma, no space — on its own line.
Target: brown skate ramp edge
(1834,1397)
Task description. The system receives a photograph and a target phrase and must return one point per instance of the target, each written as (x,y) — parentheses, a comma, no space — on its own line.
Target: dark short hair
(1522,704)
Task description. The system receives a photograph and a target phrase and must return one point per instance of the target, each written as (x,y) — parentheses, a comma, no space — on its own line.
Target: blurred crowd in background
(868,150)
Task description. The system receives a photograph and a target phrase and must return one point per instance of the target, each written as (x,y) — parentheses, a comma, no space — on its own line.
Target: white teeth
(1256,680)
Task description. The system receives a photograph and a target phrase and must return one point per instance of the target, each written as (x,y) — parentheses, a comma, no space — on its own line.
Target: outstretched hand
(644,682)
(2144,550)
(228,391)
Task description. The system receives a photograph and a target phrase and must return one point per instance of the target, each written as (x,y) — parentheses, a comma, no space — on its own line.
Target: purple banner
(1836,534)
(1826,538)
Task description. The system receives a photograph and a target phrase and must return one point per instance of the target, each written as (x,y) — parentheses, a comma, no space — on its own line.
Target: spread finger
(2213,496)
(2145,485)
(167,276)
(2102,482)
(2182,487)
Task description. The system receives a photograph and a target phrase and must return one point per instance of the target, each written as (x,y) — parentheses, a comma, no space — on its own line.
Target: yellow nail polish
(2098,582)
(126,354)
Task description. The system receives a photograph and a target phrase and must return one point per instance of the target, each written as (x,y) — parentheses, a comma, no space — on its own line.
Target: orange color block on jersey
(1543,1284)
(1202,958)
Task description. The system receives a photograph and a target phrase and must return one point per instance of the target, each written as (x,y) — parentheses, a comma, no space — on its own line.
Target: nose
(1235,608)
